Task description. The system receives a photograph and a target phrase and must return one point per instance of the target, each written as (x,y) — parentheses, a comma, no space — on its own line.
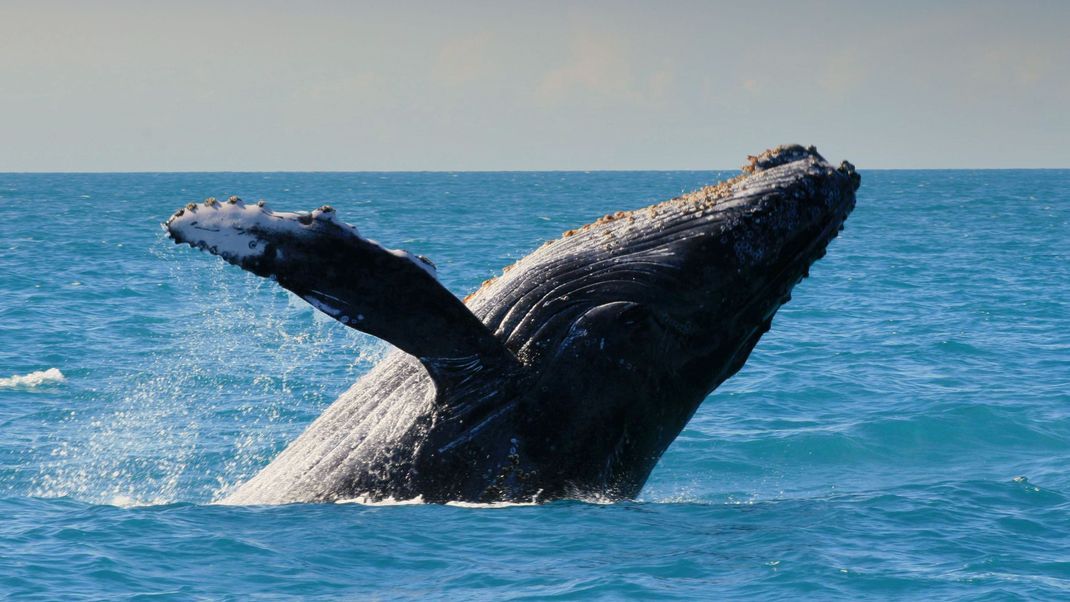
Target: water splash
(367,501)
(228,389)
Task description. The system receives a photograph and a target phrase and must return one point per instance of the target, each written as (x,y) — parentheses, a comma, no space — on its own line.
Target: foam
(33,379)
(365,501)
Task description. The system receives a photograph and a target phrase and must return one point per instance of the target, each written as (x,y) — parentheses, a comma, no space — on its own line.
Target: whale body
(568,375)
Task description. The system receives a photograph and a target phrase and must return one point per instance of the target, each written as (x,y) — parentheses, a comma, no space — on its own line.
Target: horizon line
(446,171)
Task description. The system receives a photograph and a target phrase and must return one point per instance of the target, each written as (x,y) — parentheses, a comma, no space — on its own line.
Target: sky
(351,86)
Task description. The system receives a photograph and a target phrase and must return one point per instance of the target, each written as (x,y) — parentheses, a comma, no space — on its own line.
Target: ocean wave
(33,379)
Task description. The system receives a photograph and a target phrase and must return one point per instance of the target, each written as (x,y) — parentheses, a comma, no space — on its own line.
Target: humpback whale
(568,375)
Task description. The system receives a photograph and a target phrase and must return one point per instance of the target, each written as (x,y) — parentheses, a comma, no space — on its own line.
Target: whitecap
(33,379)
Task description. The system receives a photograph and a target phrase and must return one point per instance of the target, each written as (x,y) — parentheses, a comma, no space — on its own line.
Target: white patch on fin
(230,229)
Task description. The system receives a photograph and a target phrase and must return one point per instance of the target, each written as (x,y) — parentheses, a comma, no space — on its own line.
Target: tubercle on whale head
(779,155)
(788,153)
(792,203)
(848,169)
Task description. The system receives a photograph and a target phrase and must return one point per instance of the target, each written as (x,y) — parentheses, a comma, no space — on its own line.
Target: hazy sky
(131,86)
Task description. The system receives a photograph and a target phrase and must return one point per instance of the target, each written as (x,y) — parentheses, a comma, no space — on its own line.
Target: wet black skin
(573,376)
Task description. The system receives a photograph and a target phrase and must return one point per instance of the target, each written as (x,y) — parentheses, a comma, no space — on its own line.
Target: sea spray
(142,439)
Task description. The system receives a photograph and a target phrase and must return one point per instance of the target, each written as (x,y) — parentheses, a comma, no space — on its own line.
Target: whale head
(743,255)
(704,268)
(631,321)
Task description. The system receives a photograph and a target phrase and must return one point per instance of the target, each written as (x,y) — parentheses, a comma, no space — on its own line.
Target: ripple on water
(901,432)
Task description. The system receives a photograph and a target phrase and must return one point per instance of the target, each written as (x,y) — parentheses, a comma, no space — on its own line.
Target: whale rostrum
(566,376)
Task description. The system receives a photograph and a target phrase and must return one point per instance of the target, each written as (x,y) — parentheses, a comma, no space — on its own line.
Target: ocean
(903,431)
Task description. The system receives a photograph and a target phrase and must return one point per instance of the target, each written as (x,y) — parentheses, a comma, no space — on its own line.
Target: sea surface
(902,432)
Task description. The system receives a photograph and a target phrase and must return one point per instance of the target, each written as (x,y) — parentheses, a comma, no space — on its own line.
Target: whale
(568,375)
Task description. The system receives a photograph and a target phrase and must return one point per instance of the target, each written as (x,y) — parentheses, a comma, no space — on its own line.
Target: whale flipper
(390,294)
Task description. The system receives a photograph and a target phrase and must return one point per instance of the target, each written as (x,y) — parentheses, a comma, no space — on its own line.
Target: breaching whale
(566,376)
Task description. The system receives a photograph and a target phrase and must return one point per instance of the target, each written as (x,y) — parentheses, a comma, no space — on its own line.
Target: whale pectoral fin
(389,294)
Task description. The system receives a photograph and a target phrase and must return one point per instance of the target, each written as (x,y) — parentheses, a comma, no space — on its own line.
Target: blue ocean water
(903,430)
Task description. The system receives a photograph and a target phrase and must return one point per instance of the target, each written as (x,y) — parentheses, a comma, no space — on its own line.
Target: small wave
(33,379)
